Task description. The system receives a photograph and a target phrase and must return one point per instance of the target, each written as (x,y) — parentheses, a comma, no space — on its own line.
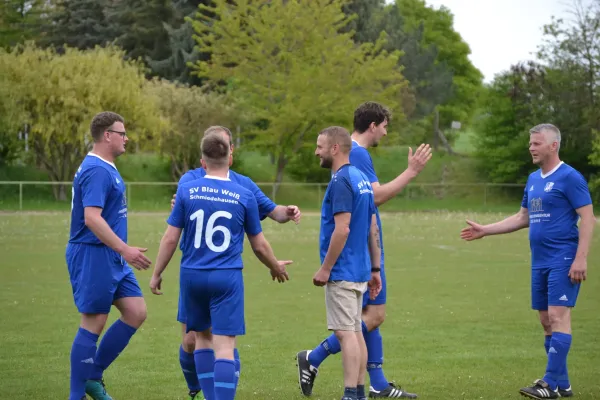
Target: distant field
(459,325)
(389,162)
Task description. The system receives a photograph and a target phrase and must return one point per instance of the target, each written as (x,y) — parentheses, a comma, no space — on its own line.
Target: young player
(98,259)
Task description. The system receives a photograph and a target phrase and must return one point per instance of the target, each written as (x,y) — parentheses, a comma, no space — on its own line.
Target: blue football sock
(205,368)
(557,359)
(327,347)
(188,366)
(113,343)
(375,359)
(547,339)
(224,379)
(83,352)
(238,365)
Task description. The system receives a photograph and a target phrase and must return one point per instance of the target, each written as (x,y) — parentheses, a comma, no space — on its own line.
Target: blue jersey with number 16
(214,214)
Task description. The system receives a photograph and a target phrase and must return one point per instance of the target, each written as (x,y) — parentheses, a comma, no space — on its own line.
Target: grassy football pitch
(459,323)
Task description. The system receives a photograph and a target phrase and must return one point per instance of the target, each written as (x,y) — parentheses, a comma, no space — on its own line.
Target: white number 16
(211,229)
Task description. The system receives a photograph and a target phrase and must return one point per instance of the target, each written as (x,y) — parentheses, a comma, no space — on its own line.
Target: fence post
(20,196)
(128,189)
(485,186)
(319,198)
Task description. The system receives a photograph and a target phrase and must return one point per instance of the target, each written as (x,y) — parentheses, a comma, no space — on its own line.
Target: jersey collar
(218,178)
(108,162)
(544,176)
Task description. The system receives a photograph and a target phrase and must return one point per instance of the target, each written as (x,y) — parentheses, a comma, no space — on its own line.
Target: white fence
(23,195)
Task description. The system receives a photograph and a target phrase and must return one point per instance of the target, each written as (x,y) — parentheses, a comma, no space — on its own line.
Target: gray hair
(547,128)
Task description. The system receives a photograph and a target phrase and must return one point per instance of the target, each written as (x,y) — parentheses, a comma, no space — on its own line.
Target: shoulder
(240,179)
(359,151)
(192,175)
(571,173)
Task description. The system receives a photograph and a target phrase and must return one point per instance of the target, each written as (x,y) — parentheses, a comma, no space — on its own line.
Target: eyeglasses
(123,134)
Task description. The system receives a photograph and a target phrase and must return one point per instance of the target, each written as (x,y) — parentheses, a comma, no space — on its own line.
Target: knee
(188,342)
(558,319)
(374,316)
(135,316)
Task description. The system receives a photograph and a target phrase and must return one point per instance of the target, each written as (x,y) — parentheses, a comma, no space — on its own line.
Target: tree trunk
(281,163)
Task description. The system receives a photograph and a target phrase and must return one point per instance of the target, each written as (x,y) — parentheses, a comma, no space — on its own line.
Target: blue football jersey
(97,183)
(265,205)
(551,202)
(349,191)
(361,159)
(214,214)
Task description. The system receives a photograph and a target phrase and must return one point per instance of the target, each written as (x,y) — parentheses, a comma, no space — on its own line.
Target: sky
(501,33)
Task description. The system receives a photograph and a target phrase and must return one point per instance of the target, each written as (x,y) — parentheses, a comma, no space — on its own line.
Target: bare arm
(374,245)
(263,250)
(383,193)
(100,228)
(586,229)
(513,223)
(338,240)
(283,214)
(166,249)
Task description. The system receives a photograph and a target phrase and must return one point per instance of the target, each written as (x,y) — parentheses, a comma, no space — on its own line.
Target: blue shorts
(213,298)
(381,297)
(552,286)
(99,276)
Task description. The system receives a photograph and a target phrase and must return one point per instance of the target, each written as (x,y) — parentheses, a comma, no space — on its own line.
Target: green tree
(452,50)
(81,24)
(186,112)
(20,20)
(57,96)
(288,65)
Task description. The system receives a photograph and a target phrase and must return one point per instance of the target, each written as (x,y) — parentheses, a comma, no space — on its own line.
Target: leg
(204,358)
(562,296)
(186,352)
(83,262)
(351,357)
(360,328)
(225,375)
(131,304)
(227,314)
(373,316)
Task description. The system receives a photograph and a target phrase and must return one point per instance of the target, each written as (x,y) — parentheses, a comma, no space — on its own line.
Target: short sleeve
(341,194)
(251,220)
(577,191)
(525,200)
(187,177)
(96,184)
(177,216)
(361,159)
(265,205)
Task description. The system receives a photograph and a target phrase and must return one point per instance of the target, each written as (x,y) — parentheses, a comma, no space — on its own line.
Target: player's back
(97,183)
(213,212)
(353,264)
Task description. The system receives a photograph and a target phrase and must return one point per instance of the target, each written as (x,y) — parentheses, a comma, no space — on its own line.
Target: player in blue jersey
(556,197)
(350,254)
(214,213)
(370,126)
(266,208)
(98,258)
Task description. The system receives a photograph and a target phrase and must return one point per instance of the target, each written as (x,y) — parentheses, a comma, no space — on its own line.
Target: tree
(57,96)
(453,51)
(19,21)
(81,24)
(287,63)
(185,113)
(175,66)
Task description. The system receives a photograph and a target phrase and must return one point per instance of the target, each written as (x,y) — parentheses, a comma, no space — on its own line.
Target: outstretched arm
(513,223)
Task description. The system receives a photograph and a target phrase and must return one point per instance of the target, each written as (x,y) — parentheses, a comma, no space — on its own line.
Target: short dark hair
(217,129)
(215,150)
(370,112)
(340,136)
(101,122)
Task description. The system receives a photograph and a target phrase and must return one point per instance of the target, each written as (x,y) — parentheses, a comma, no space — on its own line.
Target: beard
(326,163)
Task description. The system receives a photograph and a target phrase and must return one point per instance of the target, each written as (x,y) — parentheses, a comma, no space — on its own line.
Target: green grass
(459,324)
